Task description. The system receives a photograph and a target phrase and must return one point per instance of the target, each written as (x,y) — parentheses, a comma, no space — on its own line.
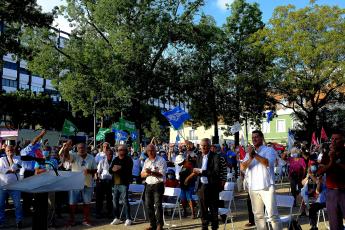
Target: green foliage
(118,52)
(15,15)
(308,49)
(154,130)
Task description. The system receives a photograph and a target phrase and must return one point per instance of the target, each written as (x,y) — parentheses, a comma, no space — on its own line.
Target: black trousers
(208,203)
(104,189)
(153,198)
(27,197)
(250,210)
(314,208)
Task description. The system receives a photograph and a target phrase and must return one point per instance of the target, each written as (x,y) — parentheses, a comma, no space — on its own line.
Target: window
(192,135)
(9,83)
(281,126)
(265,127)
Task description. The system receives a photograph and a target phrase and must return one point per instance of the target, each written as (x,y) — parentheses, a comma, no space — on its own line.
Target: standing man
(102,155)
(82,162)
(121,169)
(210,182)
(9,168)
(334,166)
(154,172)
(259,167)
(104,185)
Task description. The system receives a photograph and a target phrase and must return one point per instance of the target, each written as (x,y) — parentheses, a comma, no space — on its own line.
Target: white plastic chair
(226,196)
(137,189)
(172,193)
(287,202)
(230,186)
(322,211)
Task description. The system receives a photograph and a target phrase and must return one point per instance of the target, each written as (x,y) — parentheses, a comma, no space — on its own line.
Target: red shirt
(335,176)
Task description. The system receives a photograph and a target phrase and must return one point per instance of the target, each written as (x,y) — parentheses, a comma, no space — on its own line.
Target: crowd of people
(315,175)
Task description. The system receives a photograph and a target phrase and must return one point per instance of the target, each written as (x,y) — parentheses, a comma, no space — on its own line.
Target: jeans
(335,203)
(86,195)
(208,203)
(121,193)
(153,199)
(17,205)
(265,198)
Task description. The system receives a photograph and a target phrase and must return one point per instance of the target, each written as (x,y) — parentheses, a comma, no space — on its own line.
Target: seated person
(320,202)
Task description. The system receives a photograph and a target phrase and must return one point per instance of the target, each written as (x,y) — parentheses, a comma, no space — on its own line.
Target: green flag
(127,125)
(101,134)
(69,128)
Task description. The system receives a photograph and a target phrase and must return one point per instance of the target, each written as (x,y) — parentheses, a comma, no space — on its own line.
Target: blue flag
(176,116)
(269,116)
(120,135)
(177,139)
(134,135)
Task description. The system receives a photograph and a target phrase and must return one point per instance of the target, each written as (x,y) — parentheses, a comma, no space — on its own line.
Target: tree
(15,16)
(245,64)
(154,130)
(308,49)
(116,53)
(201,80)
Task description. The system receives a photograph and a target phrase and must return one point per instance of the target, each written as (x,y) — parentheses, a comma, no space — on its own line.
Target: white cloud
(222,3)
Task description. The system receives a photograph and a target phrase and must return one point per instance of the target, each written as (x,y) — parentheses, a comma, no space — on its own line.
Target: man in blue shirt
(231,160)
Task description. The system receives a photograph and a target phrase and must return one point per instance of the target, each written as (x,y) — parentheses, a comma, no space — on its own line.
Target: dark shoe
(19,225)
(249,225)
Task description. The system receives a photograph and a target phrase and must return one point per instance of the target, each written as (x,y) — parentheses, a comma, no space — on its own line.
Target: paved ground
(240,219)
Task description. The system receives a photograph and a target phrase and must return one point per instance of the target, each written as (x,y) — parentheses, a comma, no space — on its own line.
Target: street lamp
(94,121)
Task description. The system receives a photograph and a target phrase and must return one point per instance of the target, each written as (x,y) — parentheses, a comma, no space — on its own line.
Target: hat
(179,159)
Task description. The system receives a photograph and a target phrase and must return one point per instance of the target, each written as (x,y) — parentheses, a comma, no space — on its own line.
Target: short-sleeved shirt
(157,165)
(79,164)
(258,176)
(335,178)
(29,151)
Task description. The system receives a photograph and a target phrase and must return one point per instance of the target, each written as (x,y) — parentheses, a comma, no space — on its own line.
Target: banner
(269,116)
(126,125)
(120,135)
(69,128)
(235,127)
(324,136)
(134,135)
(101,133)
(176,117)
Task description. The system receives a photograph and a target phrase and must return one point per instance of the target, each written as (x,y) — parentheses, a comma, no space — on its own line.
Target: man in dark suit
(210,183)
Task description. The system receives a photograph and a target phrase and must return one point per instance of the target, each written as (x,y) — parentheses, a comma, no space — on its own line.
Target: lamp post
(94,121)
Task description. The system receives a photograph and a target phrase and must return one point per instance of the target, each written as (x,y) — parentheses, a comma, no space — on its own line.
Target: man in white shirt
(154,173)
(101,155)
(104,185)
(259,167)
(9,168)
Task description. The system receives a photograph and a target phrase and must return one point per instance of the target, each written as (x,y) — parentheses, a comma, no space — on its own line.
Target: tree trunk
(215,139)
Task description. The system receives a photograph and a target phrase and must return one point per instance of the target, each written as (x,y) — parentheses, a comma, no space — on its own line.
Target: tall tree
(202,79)
(16,15)
(116,53)
(245,64)
(308,48)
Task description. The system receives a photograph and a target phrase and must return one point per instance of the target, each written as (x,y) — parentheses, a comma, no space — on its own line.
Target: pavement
(240,218)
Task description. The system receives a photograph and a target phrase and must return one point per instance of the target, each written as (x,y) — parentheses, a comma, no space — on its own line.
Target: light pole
(94,121)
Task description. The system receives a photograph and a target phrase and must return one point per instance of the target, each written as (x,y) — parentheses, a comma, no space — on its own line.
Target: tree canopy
(308,49)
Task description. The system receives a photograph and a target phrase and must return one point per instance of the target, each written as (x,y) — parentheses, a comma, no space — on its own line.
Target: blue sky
(216,8)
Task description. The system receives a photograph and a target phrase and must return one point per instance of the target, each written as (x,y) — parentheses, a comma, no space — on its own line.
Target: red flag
(323,135)
(313,139)
(242,152)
